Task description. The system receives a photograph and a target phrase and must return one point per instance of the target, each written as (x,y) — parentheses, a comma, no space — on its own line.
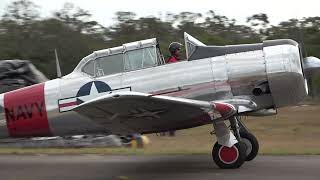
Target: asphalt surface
(78,167)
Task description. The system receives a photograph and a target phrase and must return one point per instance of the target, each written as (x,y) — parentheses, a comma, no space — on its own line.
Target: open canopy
(191,43)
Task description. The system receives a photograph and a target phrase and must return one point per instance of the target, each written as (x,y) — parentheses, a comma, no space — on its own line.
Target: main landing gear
(246,149)
(228,157)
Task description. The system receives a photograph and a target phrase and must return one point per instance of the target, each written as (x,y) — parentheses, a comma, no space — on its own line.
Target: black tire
(252,145)
(236,160)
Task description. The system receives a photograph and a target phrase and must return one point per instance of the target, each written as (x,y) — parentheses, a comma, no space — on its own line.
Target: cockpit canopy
(130,57)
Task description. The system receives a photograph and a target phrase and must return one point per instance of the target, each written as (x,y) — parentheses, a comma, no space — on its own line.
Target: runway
(184,167)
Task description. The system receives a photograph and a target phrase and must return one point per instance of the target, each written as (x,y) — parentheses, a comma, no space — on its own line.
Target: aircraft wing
(153,113)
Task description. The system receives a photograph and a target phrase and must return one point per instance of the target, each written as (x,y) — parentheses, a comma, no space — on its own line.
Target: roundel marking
(86,92)
(86,89)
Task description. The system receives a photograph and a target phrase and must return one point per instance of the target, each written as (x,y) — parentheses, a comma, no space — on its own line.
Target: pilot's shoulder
(172,59)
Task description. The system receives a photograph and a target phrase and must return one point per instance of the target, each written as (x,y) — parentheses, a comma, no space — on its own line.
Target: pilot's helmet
(174,46)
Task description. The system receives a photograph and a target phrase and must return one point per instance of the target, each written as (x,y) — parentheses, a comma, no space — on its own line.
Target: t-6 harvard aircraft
(130,89)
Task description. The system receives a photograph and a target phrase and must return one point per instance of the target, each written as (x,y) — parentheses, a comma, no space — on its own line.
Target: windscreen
(191,43)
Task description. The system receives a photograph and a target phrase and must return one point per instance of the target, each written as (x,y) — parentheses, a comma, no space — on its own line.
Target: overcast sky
(103,10)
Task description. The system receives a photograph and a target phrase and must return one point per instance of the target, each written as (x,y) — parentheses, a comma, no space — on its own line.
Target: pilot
(174,49)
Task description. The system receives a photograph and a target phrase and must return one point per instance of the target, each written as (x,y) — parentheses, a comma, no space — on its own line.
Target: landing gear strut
(228,155)
(245,149)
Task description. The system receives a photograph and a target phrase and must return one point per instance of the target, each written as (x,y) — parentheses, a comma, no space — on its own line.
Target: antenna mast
(57,64)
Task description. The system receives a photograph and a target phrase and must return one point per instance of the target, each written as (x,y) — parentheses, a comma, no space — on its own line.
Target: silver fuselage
(228,76)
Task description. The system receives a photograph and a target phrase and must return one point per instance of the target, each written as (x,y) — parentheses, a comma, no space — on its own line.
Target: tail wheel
(229,158)
(251,143)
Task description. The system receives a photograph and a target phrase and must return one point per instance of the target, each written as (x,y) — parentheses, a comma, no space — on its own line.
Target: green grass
(294,131)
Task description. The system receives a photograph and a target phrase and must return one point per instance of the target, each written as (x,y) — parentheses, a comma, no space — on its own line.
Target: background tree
(21,12)
(78,19)
(24,34)
(259,22)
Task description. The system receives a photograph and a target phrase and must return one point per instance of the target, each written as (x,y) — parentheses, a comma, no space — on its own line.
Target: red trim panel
(25,112)
(68,104)
(225,109)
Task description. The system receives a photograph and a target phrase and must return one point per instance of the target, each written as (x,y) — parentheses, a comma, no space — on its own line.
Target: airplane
(131,89)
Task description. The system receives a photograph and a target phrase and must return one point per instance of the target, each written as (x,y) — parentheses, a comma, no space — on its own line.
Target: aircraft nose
(311,66)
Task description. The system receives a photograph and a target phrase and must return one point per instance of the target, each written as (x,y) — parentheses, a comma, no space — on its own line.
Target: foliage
(71,30)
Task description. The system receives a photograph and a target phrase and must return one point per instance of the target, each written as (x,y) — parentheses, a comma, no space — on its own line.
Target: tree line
(24,34)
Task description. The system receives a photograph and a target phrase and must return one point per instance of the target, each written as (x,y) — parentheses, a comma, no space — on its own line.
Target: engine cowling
(284,72)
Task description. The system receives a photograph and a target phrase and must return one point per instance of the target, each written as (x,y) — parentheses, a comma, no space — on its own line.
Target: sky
(103,10)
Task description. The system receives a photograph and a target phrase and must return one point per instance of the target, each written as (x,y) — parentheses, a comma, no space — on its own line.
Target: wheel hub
(228,155)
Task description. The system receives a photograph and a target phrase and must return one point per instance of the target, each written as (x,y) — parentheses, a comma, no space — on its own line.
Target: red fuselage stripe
(68,104)
(26,113)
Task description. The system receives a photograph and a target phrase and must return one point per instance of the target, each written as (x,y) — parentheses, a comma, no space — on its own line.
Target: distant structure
(15,74)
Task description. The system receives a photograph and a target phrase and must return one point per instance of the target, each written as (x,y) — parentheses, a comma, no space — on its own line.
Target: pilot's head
(175,48)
